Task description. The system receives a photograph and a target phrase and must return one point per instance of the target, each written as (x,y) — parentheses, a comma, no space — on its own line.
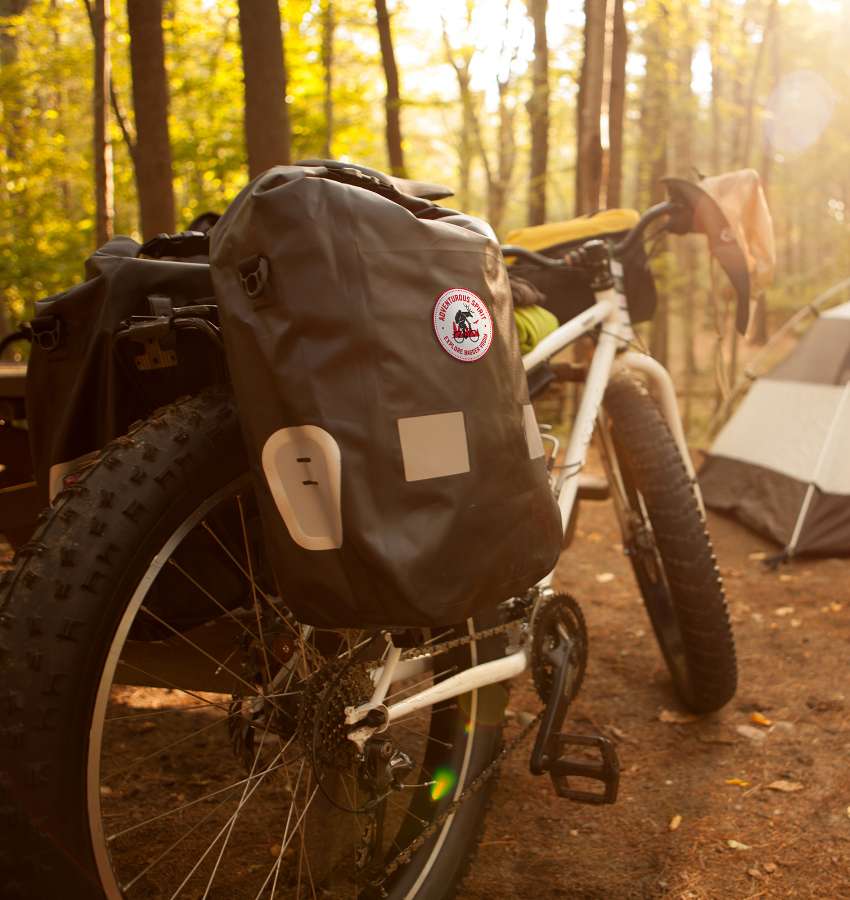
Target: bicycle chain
(425,651)
(404,856)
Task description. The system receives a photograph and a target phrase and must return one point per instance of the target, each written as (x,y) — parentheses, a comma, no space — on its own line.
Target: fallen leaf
(758,718)
(738,782)
(675,822)
(605,577)
(737,845)
(674,717)
(783,610)
(787,787)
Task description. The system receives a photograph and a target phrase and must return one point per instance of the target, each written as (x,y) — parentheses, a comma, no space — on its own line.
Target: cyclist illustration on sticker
(463,324)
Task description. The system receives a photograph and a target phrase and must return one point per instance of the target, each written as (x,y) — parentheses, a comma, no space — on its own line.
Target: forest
(134,118)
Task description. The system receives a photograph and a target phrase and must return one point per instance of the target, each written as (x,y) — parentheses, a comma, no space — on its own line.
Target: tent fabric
(822,356)
(781,463)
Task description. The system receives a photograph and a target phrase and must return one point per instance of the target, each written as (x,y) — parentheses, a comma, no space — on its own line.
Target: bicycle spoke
(141,759)
(252,687)
(228,612)
(158,859)
(157,712)
(412,687)
(263,595)
(294,829)
(276,864)
(423,735)
(253,584)
(233,824)
(215,840)
(172,685)
(183,806)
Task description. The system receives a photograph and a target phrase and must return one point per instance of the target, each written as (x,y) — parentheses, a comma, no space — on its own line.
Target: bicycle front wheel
(671,552)
(172,731)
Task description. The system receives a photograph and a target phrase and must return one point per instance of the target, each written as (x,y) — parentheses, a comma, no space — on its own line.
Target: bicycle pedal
(605,770)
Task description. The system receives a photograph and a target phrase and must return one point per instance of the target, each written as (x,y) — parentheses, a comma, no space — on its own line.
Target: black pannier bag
(399,468)
(85,385)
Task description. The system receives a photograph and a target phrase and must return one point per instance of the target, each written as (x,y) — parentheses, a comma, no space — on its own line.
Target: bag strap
(180,245)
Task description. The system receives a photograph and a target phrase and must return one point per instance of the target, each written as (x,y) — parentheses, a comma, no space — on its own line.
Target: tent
(781,464)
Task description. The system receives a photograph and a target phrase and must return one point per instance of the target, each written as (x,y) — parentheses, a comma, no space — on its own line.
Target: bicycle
(141,632)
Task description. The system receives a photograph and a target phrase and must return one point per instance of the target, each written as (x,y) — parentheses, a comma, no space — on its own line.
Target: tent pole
(810,491)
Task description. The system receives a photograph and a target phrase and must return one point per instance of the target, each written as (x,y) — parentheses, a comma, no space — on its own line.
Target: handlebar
(621,249)
(690,210)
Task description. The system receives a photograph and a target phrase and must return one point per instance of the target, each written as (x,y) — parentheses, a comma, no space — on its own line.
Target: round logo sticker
(463,324)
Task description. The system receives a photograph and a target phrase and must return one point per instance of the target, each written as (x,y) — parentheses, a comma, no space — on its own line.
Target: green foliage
(698,82)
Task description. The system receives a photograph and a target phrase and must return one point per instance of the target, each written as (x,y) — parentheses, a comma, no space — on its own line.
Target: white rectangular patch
(532,432)
(433,446)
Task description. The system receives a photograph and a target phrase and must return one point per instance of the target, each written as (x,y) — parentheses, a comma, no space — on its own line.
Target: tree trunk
(395,150)
(589,110)
(538,110)
(654,137)
(759,329)
(12,104)
(328,26)
(749,119)
(150,102)
(460,61)
(717,48)
(683,128)
(267,129)
(465,142)
(499,186)
(617,107)
(103,184)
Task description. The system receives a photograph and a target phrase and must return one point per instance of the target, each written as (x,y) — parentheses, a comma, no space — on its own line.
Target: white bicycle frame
(610,311)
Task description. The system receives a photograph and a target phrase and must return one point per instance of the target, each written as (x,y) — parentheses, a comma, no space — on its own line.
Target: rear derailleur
(559,660)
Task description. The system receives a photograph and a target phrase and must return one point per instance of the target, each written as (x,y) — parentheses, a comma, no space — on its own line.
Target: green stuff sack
(375,363)
(533,323)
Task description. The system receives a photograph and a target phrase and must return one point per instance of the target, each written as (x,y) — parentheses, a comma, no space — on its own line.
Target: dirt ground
(752,802)
(702,812)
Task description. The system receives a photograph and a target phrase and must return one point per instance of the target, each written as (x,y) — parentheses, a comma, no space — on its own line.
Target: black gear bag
(378,378)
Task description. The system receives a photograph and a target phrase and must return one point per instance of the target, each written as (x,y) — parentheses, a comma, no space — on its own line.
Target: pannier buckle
(46,331)
(253,273)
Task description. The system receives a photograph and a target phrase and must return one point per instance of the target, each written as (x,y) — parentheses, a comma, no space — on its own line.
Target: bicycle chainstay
(375,885)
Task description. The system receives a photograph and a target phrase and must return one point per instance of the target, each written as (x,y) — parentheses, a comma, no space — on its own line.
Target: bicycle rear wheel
(175,732)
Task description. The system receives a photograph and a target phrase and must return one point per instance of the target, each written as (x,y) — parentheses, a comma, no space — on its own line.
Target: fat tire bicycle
(169,729)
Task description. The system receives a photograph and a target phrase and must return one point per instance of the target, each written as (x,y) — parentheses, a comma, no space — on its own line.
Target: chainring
(559,619)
